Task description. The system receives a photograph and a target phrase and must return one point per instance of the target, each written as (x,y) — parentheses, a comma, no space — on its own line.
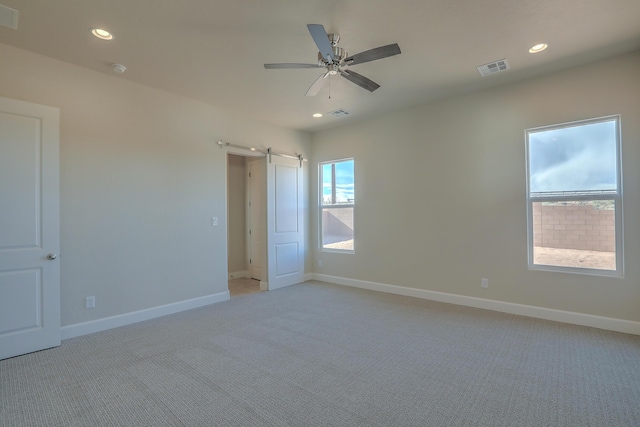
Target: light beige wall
(141,177)
(236,199)
(440,191)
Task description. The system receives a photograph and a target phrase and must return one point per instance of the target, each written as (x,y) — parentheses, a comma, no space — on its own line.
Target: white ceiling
(214,50)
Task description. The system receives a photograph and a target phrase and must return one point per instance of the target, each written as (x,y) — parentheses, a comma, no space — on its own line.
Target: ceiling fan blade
(321,38)
(360,80)
(283,66)
(317,85)
(373,54)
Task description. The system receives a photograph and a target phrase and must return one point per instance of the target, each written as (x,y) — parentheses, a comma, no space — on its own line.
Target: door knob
(52,256)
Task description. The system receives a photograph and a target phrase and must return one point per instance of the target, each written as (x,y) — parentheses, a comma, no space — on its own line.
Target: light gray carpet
(323,355)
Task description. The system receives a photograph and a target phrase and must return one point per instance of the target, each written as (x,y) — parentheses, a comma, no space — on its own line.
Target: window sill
(574,270)
(338,251)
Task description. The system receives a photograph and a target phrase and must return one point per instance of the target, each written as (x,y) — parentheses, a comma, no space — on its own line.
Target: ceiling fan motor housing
(333,69)
(338,54)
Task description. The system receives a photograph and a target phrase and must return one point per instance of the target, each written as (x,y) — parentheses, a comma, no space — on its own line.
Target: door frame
(247,154)
(260,212)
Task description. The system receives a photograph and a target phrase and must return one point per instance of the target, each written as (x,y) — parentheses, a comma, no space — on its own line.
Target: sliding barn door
(285,225)
(29,228)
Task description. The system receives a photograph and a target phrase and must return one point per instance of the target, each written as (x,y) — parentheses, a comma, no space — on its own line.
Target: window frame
(322,206)
(614,195)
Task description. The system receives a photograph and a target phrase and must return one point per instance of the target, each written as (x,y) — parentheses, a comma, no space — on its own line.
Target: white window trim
(344,205)
(615,196)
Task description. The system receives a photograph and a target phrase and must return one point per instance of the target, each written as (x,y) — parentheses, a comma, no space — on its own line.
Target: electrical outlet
(484,283)
(214,221)
(90,302)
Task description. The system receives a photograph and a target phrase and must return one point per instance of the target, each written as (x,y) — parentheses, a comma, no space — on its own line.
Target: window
(574,197)
(336,205)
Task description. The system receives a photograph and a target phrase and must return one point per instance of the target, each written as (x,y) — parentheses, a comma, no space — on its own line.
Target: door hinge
(249,261)
(249,174)
(249,231)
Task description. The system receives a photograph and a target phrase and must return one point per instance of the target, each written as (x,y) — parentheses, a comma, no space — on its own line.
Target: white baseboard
(98,325)
(608,323)
(240,275)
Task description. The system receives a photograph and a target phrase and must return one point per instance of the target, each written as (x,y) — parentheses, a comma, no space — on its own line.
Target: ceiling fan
(334,58)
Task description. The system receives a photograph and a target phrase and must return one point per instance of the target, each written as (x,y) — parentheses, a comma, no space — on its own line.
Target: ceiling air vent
(493,67)
(339,113)
(8,17)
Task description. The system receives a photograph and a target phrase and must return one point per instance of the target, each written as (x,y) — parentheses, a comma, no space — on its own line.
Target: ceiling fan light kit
(332,58)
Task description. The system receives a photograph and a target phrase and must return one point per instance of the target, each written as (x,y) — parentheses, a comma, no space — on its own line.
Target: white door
(285,225)
(257,222)
(29,228)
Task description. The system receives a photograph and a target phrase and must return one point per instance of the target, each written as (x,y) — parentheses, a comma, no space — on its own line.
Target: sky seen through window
(574,158)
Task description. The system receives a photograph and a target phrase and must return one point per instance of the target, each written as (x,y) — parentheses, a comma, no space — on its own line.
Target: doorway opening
(247,222)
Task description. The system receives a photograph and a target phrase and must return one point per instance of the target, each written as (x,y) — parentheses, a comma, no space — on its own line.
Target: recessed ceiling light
(317,115)
(118,68)
(102,34)
(538,48)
